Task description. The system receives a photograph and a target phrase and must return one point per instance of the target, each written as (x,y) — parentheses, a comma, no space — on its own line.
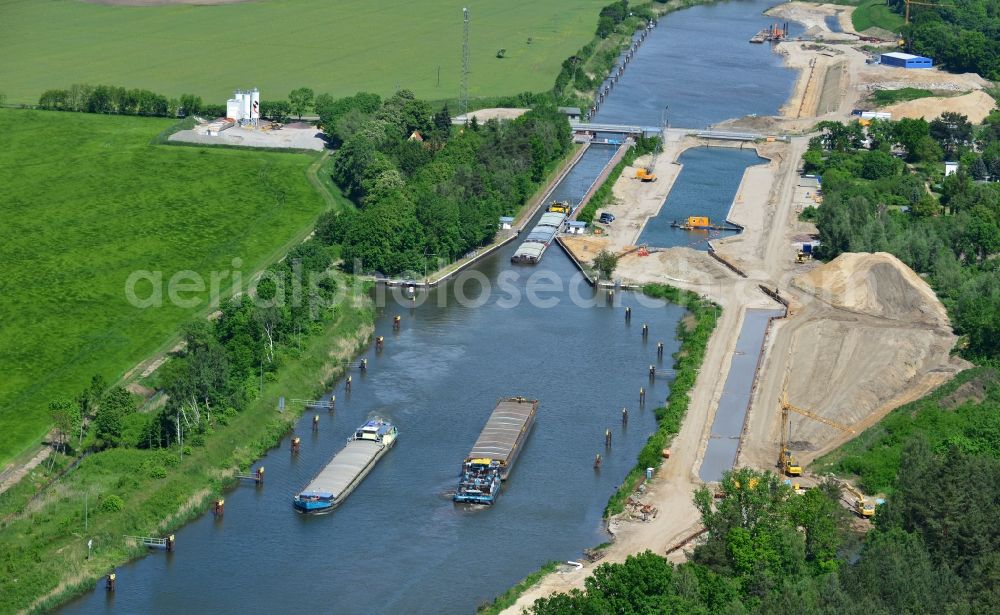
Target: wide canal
(399,544)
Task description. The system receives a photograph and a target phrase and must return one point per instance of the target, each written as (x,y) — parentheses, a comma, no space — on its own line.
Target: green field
(278,45)
(875,13)
(86,201)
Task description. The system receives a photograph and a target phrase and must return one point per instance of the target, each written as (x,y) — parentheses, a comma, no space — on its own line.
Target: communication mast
(463,94)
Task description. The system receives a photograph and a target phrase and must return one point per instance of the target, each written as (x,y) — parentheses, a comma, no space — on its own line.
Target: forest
(933,549)
(427,191)
(962,36)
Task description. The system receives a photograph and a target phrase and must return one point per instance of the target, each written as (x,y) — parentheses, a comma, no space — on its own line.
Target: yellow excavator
(645,174)
(860,504)
(785,460)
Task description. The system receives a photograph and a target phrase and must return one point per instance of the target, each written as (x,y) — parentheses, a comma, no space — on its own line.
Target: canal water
(398,544)
(720,453)
(579,179)
(699,63)
(706,186)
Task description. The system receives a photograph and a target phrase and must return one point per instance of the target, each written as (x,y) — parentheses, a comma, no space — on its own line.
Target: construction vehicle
(785,460)
(645,174)
(860,504)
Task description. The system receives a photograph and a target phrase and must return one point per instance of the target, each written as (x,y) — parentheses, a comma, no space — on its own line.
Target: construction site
(845,342)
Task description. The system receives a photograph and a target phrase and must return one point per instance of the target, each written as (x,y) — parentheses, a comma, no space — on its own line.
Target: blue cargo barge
(347,468)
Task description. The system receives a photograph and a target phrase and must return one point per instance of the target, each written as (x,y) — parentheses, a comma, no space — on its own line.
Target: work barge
(492,457)
(348,468)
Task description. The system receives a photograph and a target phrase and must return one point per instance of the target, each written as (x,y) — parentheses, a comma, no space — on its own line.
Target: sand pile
(976,105)
(875,284)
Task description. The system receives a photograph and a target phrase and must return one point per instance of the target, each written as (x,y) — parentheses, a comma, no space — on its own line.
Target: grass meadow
(277,45)
(875,13)
(86,201)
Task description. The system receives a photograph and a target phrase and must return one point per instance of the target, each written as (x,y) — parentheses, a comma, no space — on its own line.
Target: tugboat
(348,468)
(480,482)
(560,207)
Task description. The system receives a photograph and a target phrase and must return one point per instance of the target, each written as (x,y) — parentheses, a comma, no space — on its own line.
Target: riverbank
(160,490)
(524,215)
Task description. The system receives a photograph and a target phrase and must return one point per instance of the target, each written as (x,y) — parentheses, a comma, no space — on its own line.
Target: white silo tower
(244,107)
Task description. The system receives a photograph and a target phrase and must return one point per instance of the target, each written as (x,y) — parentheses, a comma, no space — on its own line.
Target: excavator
(785,460)
(860,504)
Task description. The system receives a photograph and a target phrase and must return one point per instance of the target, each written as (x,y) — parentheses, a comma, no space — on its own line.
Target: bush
(112,503)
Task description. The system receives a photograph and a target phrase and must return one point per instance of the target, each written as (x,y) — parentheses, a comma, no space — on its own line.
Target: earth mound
(876,284)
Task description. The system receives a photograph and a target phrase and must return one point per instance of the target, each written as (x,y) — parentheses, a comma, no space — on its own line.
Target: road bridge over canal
(631,130)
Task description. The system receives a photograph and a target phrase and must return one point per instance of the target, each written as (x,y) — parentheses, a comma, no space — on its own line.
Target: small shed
(572,113)
(950,168)
(905,60)
(506,223)
(576,227)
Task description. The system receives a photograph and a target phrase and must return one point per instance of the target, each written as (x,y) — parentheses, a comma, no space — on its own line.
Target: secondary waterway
(706,186)
(699,63)
(573,187)
(720,453)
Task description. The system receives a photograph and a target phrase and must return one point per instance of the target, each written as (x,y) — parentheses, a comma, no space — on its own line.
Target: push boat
(492,457)
(348,468)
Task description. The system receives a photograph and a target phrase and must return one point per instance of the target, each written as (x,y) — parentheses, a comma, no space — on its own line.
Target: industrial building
(244,107)
(905,60)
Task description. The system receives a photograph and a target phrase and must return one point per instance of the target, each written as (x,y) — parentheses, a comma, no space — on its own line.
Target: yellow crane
(785,460)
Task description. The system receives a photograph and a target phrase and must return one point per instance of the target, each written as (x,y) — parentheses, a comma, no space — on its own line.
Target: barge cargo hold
(347,468)
(531,249)
(492,457)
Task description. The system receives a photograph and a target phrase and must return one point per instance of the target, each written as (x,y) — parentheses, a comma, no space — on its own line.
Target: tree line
(933,549)
(884,190)
(117,100)
(427,191)
(962,35)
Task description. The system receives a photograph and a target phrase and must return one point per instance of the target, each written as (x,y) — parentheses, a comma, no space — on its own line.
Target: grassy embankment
(603,195)
(889,97)
(88,200)
(964,413)
(44,546)
(339,48)
(509,597)
(875,13)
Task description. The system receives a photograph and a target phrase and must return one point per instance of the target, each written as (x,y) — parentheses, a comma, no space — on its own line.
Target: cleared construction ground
(863,335)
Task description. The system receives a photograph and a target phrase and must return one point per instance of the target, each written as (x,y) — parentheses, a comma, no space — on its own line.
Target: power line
(463,94)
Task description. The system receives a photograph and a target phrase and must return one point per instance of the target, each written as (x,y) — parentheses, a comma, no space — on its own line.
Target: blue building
(906,60)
